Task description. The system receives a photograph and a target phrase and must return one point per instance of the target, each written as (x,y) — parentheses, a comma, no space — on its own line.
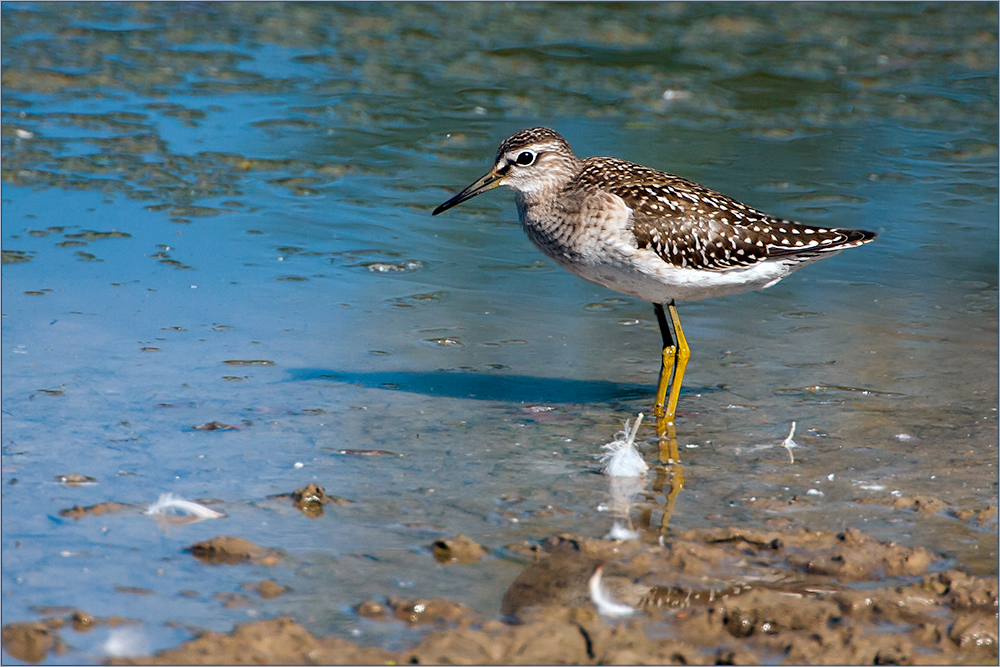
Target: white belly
(646,276)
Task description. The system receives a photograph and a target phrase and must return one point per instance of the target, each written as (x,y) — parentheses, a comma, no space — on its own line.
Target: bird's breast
(582,230)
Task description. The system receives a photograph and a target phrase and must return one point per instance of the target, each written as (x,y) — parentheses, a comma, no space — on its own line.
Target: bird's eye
(525,158)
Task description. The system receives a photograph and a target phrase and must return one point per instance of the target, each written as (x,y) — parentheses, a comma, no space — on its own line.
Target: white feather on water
(625,467)
(168,503)
(622,459)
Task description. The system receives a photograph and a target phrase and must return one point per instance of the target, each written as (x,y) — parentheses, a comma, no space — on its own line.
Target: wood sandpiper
(649,234)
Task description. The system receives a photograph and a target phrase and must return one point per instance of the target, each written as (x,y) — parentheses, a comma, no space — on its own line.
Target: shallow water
(269,172)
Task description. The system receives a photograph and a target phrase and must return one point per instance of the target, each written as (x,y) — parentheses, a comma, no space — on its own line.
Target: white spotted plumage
(647,233)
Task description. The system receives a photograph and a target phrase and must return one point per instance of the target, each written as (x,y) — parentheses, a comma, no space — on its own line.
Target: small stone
(232,550)
(371,609)
(458,550)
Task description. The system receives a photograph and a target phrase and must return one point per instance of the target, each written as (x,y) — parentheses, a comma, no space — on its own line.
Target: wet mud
(267,589)
(311,498)
(227,550)
(223,281)
(458,550)
(73,478)
(33,642)
(718,596)
(77,512)
(216,426)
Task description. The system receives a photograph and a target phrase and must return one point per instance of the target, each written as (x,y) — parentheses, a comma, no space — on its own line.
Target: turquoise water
(269,172)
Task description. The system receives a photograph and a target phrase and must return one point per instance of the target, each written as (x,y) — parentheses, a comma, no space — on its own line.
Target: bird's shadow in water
(488,386)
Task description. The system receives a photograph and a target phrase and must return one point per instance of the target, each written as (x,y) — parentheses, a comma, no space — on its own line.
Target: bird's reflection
(669,479)
(667,483)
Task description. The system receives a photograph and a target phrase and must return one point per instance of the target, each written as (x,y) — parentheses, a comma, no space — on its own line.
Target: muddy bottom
(248,376)
(717,596)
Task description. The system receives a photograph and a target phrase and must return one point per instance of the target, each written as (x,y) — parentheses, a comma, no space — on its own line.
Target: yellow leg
(667,363)
(682,355)
(675,357)
(666,370)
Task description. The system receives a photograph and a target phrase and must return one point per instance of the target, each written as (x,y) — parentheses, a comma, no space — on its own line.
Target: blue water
(274,167)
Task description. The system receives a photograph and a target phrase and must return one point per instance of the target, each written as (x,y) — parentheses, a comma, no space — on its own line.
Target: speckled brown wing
(691,226)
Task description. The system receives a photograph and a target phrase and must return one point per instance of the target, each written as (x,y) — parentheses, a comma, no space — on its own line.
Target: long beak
(487,182)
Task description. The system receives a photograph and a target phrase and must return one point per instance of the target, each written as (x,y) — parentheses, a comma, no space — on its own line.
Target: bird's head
(530,161)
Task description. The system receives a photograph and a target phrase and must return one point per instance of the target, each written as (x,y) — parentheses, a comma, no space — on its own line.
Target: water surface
(190,184)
